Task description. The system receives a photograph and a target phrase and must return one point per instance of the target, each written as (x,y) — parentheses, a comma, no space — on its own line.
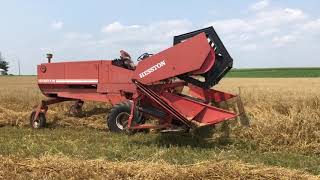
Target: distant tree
(4,64)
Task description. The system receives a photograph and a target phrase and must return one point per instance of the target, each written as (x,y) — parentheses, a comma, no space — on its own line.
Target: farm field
(283,141)
(274,72)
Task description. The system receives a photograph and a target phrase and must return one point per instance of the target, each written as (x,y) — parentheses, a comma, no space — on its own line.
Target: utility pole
(19,66)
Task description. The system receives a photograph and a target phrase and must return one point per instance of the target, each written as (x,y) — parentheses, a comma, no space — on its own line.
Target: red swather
(173,86)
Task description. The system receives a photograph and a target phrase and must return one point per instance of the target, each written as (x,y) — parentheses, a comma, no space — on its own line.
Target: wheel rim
(36,124)
(122,120)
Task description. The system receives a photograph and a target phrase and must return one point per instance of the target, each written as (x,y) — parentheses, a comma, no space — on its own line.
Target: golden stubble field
(284,115)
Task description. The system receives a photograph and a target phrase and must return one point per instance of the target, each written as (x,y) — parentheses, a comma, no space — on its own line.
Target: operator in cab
(126,60)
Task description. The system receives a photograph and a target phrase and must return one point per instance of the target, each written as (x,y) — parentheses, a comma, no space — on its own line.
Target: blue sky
(257,33)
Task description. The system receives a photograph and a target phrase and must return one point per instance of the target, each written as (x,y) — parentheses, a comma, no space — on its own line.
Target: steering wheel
(143,56)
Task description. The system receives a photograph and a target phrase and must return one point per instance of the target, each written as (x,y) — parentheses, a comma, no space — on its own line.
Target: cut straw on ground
(64,168)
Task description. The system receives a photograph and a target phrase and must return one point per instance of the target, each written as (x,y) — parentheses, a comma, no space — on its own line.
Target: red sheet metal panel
(213,115)
(188,109)
(108,98)
(209,94)
(51,71)
(185,57)
(200,112)
(82,70)
(104,72)
(113,79)
(207,64)
(120,75)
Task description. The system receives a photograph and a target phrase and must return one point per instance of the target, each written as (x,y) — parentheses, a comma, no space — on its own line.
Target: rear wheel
(118,117)
(38,123)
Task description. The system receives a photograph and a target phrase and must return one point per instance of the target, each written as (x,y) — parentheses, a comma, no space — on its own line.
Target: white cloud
(312,26)
(259,5)
(76,35)
(57,25)
(265,22)
(267,32)
(283,40)
(232,25)
(279,16)
(136,39)
(45,50)
(249,47)
(149,37)
(264,28)
(118,27)
(256,39)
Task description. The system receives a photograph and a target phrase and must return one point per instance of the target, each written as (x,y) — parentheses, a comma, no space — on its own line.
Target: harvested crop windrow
(63,168)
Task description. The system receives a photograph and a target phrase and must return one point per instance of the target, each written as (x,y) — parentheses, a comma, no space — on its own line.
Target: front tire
(118,117)
(38,123)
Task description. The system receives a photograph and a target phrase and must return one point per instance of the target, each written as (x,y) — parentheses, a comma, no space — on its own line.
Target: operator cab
(125,60)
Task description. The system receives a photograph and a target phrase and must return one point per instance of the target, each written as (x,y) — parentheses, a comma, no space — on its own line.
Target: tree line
(4,65)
